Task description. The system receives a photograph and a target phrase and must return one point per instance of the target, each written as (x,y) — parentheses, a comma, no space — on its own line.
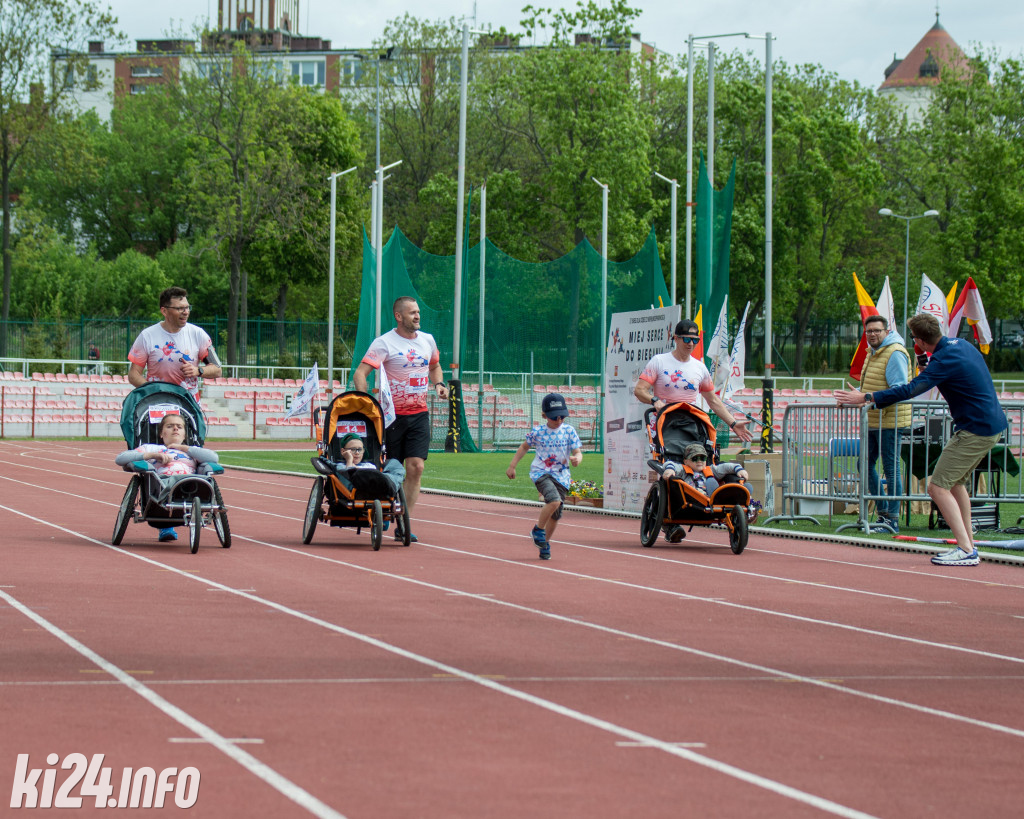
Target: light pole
(906,254)
(460,196)
(675,193)
(330,286)
(700,42)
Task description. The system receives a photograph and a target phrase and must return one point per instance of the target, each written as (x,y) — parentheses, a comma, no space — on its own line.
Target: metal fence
(823,473)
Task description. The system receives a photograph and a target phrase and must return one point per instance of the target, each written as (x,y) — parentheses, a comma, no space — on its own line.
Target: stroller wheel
(124,514)
(738,532)
(377,526)
(220,519)
(313,508)
(403,529)
(653,513)
(195,525)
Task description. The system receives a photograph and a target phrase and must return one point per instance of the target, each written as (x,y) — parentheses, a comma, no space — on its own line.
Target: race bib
(358,427)
(418,384)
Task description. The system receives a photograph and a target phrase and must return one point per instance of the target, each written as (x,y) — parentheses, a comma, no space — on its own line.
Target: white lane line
(259,769)
(776,673)
(686,754)
(667,592)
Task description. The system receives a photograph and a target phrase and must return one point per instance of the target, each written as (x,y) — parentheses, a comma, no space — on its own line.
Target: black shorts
(408,437)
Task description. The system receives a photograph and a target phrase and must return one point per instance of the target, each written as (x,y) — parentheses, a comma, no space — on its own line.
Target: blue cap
(553,406)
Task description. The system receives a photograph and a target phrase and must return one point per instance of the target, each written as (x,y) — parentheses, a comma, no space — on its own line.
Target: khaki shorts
(959,458)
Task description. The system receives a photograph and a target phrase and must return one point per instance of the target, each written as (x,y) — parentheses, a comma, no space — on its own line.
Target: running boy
(557,446)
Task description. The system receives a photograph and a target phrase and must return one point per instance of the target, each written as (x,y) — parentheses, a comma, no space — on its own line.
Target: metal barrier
(823,472)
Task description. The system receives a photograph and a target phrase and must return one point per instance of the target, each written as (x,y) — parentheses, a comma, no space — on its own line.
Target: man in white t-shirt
(412,363)
(670,378)
(173,350)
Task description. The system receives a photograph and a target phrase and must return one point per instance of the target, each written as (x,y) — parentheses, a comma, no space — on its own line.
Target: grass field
(476,473)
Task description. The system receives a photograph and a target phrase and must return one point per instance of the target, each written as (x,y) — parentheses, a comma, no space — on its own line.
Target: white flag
(933,301)
(384,397)
(307,392)
(718,349)
(737,361)
(885,305)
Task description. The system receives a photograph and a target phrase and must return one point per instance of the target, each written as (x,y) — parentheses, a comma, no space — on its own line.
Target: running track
(463,677)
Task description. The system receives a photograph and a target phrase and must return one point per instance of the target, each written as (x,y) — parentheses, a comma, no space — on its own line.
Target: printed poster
(633,339)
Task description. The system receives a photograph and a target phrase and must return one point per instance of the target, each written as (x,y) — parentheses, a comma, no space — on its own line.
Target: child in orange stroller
(693,488)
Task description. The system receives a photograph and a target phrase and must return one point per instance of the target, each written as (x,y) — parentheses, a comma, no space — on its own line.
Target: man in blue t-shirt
(959,373)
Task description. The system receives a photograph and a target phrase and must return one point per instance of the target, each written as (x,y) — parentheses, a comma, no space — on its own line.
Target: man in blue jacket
(958,370)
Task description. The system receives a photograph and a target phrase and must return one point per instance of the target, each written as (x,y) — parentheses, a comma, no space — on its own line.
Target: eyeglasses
(688,339)
(187,308)
(873,331)
(354,449)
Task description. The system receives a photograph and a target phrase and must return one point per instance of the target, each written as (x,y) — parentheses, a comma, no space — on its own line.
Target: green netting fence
(537,317)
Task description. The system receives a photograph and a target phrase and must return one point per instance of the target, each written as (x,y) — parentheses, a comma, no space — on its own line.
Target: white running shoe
(957,557)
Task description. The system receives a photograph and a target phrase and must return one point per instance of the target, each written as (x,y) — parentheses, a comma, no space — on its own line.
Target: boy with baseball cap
(557,447)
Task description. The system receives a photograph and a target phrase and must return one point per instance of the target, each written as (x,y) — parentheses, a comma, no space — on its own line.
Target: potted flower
(586,493)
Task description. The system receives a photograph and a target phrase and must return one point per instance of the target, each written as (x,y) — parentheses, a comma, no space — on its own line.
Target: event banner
(633,339)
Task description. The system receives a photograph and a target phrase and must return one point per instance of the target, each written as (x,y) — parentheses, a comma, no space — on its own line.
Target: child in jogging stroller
(693,488)
(173,482)
(361,486)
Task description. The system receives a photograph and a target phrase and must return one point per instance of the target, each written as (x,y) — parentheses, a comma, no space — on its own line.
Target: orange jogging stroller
(354,497)
(675,502)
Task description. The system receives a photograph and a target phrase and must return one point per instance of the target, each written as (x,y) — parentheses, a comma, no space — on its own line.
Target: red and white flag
(970,309)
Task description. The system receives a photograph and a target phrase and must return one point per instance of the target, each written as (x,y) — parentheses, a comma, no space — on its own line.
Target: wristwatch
(201,368)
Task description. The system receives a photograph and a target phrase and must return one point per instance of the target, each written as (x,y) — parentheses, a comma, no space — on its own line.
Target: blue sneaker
(168,534)
(542,543)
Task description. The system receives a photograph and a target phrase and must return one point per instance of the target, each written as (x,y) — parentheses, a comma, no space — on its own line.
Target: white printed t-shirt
(673,380)
(552,447)
(183,464)
(161,353)
(407,362)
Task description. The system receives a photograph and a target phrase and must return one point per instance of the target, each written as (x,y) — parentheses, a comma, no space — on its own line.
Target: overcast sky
(856,39)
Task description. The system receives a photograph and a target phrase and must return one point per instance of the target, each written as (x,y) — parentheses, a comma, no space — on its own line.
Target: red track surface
(463,677)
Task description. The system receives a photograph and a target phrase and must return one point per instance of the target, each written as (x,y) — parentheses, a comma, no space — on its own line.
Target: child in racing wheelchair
(172,457)
(695,471)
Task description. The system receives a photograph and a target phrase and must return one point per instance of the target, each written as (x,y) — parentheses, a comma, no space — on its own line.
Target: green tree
(114,185)
(242,181)
(31,31)
(965,158)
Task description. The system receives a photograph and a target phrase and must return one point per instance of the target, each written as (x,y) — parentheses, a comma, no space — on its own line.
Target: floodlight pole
(461,197)
(604,283)
(380,245)
(330,285)
(480,311)
(691,41)
(675,190)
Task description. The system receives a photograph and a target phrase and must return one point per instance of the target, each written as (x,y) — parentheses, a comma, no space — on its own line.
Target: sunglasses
(697,459)
(688,339)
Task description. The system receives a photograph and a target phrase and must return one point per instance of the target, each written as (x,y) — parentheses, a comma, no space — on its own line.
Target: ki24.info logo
(138,787)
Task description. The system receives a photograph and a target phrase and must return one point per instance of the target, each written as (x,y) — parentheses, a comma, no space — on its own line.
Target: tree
(242,180)
(113,184)
(966,160)
(30,31)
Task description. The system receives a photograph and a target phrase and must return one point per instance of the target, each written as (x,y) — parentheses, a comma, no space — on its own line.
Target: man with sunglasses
(173,350)
(670,378)
(961,376)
